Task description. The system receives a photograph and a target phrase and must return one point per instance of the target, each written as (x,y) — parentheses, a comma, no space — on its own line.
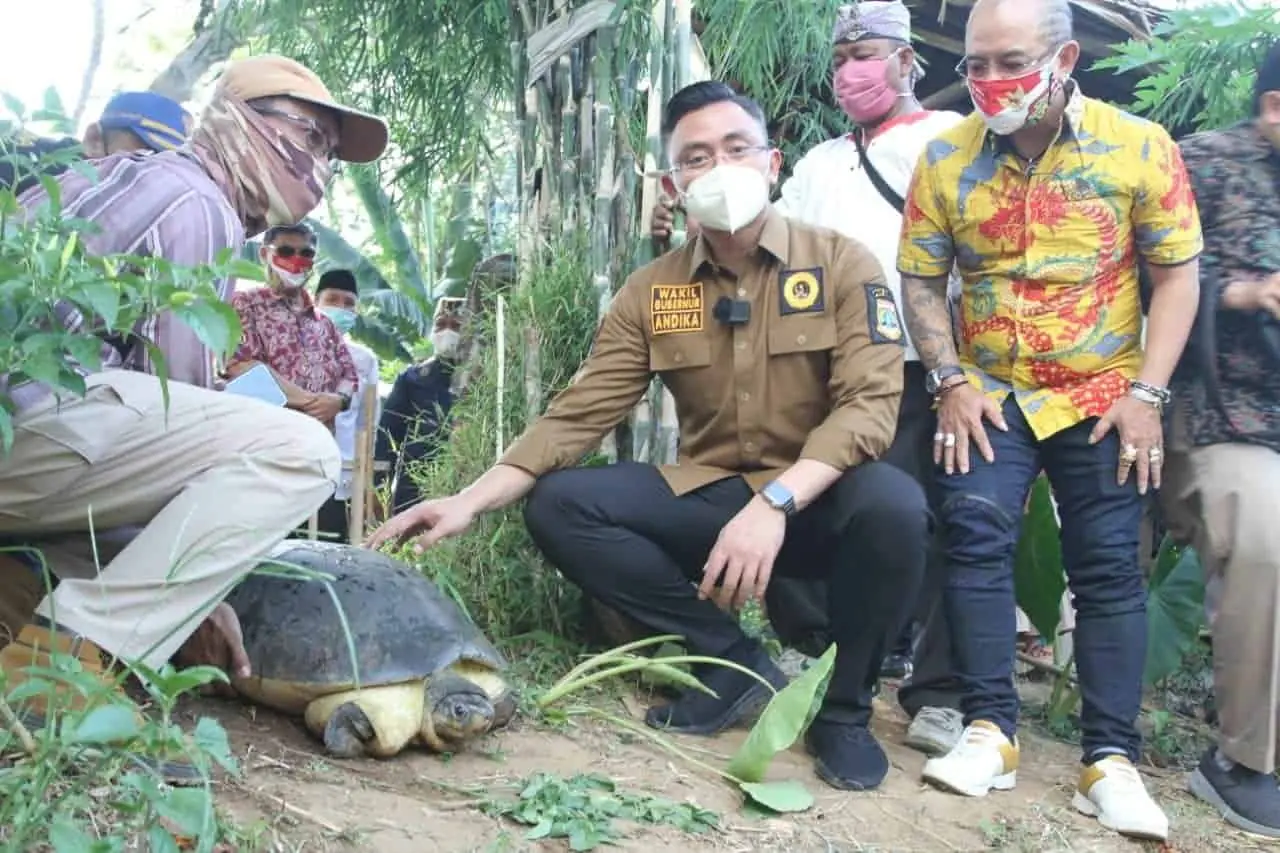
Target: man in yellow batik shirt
(1045,200)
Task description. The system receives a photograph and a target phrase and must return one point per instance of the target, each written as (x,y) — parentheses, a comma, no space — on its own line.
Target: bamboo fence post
(502,372)
(362,470)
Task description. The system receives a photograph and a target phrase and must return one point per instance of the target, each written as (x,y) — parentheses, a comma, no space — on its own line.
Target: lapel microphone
(732,312)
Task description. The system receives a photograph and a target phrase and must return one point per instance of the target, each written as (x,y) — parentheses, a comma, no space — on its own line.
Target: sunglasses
(317,138)
(289,251)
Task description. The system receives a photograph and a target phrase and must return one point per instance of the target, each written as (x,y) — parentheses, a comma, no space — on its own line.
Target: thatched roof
(938,27)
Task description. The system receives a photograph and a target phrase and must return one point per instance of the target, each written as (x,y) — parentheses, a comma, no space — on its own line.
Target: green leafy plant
(1175,609)
(1200,65)
(1038,575)
(84,782)
(585,810)
(783,721)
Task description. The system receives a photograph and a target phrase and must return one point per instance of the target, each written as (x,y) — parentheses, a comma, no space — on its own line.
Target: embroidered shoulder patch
(883,321)
(676,308)
(801,292)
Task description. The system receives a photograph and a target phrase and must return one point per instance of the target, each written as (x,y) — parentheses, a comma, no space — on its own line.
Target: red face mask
(1008,105)
(292,271)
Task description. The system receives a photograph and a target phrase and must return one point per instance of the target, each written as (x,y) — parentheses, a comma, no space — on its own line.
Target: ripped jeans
(981,515)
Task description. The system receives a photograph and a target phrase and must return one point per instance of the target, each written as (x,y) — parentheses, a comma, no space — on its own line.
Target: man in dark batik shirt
(1222,486)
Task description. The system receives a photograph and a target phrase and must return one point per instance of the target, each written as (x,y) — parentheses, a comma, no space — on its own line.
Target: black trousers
(933,682)
(626,539)
(798,607)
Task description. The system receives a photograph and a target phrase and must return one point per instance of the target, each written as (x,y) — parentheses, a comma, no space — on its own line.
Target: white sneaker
(935,731)
(983,759)
(1112,791)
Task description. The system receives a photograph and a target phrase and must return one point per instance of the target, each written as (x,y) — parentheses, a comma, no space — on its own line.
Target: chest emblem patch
(676,308)
(801,292)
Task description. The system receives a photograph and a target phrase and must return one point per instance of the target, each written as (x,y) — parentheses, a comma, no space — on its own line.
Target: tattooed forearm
(929,321)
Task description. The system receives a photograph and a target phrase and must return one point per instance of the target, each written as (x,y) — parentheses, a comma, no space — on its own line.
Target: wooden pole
(362,466)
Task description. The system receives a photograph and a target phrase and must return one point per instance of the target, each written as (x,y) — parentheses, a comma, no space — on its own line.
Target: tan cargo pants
(214,483)
(1224,499)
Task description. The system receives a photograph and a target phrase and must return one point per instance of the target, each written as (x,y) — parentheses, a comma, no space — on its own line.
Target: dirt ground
(298,800)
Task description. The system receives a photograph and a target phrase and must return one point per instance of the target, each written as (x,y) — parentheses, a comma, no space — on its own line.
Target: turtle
(427,675)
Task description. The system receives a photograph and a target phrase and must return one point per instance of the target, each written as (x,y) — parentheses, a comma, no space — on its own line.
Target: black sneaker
(846,755)
(1246,798)
(737,695)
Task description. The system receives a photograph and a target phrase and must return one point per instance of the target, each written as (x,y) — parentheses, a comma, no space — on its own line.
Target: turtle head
(456,711)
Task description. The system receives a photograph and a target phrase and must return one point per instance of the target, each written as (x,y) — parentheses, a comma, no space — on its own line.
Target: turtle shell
(403,627)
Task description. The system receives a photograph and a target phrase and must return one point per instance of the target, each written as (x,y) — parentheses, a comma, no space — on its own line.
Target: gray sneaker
(935,731)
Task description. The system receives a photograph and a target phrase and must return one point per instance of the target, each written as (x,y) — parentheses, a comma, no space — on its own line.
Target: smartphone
(257,382)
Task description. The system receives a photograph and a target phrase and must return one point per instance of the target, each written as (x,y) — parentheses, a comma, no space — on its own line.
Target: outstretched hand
(427,523)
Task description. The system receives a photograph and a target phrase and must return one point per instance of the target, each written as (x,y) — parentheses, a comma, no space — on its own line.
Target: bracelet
(1152,395)
(945,388)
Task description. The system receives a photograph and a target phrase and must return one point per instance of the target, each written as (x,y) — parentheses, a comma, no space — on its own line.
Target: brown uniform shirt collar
(775,238)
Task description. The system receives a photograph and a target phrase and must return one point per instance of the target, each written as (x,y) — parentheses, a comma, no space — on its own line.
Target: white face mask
(728,197)
(445,342)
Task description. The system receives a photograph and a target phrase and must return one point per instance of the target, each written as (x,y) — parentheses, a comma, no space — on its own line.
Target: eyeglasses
(975,67)
(288,251)
(735,153)
(318,139)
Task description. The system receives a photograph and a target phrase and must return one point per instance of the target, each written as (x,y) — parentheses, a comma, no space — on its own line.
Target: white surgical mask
(445,342)
(728,197)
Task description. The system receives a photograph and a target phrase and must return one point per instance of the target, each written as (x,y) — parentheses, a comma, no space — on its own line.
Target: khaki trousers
(1223,499)
(213,483)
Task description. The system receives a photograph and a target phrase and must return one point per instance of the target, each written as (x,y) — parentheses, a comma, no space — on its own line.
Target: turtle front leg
(347,731)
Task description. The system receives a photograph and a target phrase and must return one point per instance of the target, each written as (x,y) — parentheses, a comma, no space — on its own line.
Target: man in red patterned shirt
(284,332)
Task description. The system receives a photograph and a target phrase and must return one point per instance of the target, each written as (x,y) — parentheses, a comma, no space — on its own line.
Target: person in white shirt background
(337,297)
(855,184)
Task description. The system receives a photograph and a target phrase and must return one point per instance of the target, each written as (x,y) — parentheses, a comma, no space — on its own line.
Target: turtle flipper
(347,731)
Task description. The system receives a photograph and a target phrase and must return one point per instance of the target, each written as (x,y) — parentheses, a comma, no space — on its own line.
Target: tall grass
(494,570)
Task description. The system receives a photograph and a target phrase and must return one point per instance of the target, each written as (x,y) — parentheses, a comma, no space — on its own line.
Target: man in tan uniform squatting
(783,349)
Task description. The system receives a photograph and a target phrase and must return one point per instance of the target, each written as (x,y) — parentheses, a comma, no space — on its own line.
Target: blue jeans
(981,516)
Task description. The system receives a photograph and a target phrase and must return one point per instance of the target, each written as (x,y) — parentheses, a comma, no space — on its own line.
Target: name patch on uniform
(801,292)
(883,319)
(676,308)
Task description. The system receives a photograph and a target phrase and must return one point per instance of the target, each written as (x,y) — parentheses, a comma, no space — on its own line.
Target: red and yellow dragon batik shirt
(1047,253)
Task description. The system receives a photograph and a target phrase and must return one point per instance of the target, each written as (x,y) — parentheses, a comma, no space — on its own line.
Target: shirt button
(744,396)
(800,339)
(742,291)
(750,447)
(678,357)
(741,345)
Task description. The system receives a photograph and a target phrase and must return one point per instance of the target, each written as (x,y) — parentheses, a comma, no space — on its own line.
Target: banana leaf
(1175,609)
(1038,575)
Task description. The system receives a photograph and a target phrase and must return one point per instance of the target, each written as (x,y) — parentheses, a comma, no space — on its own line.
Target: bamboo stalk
(569,166)
(669,84)
(532,374)
(682,44)
(502,374)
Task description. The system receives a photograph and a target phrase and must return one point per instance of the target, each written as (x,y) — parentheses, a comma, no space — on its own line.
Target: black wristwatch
(346,401)
(934,378)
